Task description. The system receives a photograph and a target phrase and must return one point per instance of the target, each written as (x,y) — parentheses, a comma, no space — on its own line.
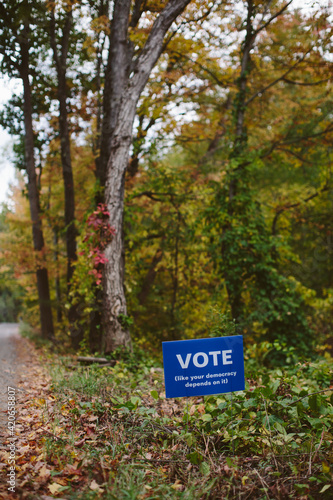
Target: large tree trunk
(116,80)
(116,332)
(125,81)
(37,231)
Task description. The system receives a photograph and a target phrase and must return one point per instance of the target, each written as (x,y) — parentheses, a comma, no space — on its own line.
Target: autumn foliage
(227,192)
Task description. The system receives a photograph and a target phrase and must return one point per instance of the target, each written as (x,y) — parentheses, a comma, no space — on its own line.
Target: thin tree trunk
(65,146)
(60,59)
(57,277)
(175,281)
(37,231)
(234,286)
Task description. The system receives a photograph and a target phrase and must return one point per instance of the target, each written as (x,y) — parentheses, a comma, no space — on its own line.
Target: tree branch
(273,17)
(262,91)
(292,153)
(296,204)
(138,10)
(65,37)
(154,44)
(278,144)
(152,195)
(204,68)
(306,84)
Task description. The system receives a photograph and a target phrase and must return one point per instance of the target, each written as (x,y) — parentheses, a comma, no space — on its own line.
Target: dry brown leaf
(44,473)
(201,408)
(95,486)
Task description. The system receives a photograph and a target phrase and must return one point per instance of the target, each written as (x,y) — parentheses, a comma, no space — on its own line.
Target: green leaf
(231,463)
(325,488)
(204,469)
(189,438)
(154,394)
(314,403)
(135,400)
(194,457)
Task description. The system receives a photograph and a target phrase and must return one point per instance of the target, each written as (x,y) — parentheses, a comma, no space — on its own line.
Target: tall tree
(126,76)
(16,41)
(60,49)
(250,262)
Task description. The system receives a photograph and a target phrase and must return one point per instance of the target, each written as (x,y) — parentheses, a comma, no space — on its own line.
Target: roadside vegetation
(108,432)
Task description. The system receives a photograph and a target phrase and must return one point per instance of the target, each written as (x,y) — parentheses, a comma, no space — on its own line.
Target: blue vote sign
(203,366)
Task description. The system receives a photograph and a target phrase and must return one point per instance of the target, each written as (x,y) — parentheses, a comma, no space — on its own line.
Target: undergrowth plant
(272,440)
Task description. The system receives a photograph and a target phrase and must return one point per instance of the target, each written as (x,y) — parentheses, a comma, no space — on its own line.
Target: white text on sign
(201,359)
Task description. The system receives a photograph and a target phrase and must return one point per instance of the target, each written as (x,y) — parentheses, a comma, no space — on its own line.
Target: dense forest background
(227,219)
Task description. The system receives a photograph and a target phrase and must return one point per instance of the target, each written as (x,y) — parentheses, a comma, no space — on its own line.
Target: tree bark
(60,60)
(37,231)
(117,140)
(65,146)
(115,81)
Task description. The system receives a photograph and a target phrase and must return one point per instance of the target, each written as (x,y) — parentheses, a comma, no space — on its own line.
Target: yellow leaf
(326,468)
(62,481)
(54,488)
(177,485)
(44,473)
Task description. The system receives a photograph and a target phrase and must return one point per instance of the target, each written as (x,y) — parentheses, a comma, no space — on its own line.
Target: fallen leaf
(79,443)
(44,473)
(177,485)
(54,488)
(201,408)
(71,469)
(92,418)
(95,486)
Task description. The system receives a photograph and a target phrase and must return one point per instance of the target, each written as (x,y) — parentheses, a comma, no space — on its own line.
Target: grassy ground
(110,433)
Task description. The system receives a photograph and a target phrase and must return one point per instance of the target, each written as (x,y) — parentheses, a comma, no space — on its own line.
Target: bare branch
(138,9)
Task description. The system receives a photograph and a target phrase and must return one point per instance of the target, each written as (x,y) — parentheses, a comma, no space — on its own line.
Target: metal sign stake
(186,415)
(232,428)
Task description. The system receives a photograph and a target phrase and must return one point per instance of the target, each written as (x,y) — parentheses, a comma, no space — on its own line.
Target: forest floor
(88,432)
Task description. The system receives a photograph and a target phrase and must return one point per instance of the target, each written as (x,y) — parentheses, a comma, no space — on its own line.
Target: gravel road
(14,355)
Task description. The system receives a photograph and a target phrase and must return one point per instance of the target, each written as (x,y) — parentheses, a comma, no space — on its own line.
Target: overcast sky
(7,172)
